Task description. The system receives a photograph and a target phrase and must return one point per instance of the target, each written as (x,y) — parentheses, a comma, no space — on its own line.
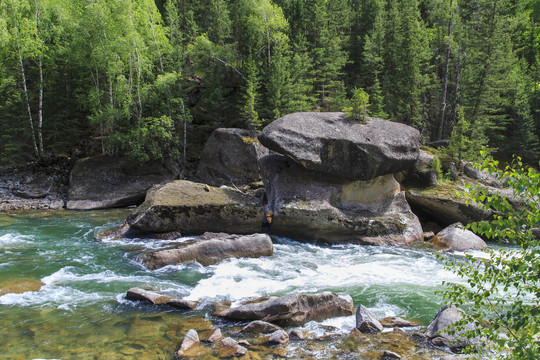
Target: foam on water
(11,240)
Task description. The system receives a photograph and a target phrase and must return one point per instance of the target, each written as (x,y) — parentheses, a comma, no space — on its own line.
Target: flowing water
(62,291)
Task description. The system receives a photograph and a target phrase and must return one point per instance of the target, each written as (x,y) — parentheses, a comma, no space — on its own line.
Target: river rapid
(62,291)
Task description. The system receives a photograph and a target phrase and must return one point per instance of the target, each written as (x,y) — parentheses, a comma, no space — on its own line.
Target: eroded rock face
(293,309)
(229,157)
(340,149)
(366,212)
(422,174)
(103,182)
(457,238)
(210,249)
(193,208)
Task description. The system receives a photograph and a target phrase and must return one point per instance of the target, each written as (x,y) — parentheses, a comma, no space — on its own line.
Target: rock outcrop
(366,212)
(193,208)
(230,157)
(293,309)
(211,248)
(341,149)
(457,238)
(103,182)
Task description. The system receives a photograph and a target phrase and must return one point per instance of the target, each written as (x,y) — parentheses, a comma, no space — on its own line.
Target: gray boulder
(103,182)
(341,149)
(421,174)
(437,331)
(366,321)
(230,157)
(138,294)
(210,249)
(293,309)
(366,212)
(456,238)
(193,208)
(481,175)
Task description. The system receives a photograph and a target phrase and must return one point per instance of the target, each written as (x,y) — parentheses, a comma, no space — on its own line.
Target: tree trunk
(40,113)
(445,79)
(25,88)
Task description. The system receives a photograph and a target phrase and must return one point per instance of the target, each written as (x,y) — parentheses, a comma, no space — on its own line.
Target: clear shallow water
(80,311)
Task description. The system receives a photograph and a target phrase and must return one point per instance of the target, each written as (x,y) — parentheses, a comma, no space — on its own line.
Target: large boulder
(366,212)
(341,149)
(211,248)
(193,208)
(366,321)
(441,204)
(230,157)
(437,331)
(103,182)
(293,309)
(456,238)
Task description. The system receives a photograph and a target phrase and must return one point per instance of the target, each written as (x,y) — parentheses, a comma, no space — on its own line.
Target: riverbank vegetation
(144,77)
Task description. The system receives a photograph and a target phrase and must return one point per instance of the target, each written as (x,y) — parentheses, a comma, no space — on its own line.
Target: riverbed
(63,290)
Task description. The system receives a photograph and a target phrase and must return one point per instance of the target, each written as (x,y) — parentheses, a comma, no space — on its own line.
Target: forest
(147,79)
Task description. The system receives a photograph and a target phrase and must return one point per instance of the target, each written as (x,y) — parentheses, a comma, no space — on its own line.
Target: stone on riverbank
(293,309)
(159,299)
(230,157)
(193,208)
(341,149)
(457,238)
(367,212)
(437,330)
(211,248)
(103,182)
(366,321)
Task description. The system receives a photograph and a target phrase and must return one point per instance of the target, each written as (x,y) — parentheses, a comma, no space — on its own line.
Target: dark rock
(366,322)
(456,238)
(103,182)
(366,212)
(341,149)
(230,157)
(421,174)
(437,330)
(138,294)
(260,327)
(293,309)
(393,322)
(209,250)
(185,206)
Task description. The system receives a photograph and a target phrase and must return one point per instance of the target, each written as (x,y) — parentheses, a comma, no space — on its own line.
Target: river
(80,311)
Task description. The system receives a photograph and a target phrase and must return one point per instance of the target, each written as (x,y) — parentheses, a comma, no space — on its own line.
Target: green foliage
(358,109)
(501,293)
(460,139)
(437,167)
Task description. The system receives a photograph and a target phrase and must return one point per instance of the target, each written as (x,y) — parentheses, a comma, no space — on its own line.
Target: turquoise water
(74,306)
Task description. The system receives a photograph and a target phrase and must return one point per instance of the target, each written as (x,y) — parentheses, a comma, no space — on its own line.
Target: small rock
(215,337)
(244,343)
(228,348)
(296,334)
(456,238)
(366,322)
(428,235)
(392,322)
(158,299)
(278,337)
(190,340)
(259,327)
(390,355)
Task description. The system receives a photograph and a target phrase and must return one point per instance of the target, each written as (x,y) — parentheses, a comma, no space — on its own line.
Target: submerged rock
(230,157)
(229,348)
(341,149)
(190,340)
(279,337)
(159,299)
(259,327)
(366,321)
(293,309)
(19,286)
(457,238)
(366,212)
(211,248)
(193,208)
(103,182)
